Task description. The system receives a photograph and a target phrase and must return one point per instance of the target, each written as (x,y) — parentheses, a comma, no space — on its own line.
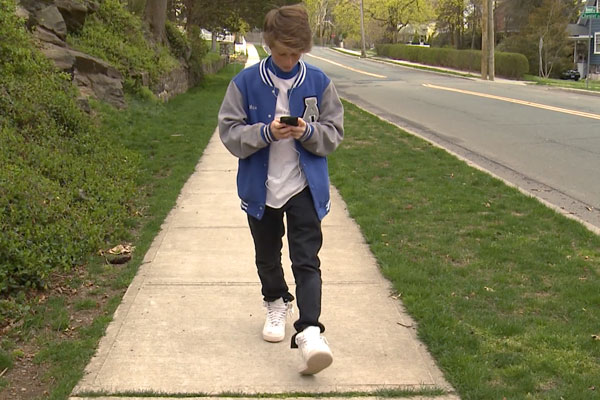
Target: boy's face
(284,57)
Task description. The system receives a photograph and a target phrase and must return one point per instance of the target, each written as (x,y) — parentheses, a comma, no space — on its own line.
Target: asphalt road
(543,140)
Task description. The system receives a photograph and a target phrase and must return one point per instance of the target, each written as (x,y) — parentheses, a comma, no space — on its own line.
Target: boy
(283,170)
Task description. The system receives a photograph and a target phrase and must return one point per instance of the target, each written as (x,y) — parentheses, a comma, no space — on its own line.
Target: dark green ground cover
(53,333)
(65,188)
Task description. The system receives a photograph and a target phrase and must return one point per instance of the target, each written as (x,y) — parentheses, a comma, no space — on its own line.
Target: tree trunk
(541,66)
(155,14)
(171,12)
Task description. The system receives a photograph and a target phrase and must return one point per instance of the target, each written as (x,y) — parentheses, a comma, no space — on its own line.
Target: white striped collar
(301,75)
(264,74)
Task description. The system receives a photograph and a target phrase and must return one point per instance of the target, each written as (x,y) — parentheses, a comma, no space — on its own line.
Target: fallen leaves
(65,290)
(119,254)
(126,248)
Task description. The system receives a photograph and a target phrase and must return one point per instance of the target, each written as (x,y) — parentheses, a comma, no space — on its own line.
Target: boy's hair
(289,26)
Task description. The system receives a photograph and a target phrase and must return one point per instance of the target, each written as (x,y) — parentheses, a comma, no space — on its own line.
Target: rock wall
(51,20)
(175,82)
(180,80)
(50,23)
(214,67)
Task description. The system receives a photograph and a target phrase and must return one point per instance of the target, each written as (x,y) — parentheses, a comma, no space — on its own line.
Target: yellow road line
(345,66)
(522,102)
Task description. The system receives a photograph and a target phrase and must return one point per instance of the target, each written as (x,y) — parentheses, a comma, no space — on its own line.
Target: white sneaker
(316,355)
(274,329)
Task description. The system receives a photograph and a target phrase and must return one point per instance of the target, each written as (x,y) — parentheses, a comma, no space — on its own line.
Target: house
(586,34)
(408,33)
(505,21)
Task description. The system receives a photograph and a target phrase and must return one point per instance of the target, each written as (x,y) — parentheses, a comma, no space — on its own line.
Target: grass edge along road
(505,290)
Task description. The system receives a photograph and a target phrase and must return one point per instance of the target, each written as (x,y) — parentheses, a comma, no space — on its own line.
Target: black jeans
(305,239)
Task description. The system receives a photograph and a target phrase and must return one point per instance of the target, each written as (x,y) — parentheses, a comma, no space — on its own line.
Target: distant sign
(591,14)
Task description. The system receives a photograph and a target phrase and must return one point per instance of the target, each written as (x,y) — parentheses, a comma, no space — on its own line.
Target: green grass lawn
(580,84)
(505,291)
(261,51)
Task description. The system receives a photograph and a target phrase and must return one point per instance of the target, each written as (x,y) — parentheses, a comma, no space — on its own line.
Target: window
(597,43)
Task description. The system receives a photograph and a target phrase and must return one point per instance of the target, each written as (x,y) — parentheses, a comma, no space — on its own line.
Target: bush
(511,65)
(200,49)
(64,189)
(179,43)
(508,65)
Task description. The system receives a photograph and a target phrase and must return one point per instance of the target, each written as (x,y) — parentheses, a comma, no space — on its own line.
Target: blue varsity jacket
(244,120)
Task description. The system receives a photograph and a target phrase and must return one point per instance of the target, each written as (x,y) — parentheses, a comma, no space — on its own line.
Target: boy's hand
(283,131)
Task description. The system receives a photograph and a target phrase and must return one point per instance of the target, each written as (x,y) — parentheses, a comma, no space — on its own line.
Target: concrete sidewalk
(191,321)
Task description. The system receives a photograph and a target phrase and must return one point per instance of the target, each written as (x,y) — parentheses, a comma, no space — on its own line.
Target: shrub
(178,41)
(64,190)
(509,65)
(200,49)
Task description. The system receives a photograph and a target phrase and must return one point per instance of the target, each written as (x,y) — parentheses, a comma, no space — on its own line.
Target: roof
(577,31)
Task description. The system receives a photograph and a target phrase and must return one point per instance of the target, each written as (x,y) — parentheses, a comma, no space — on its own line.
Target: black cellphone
(288,120)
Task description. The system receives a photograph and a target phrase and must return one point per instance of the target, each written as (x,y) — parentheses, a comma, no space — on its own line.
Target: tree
(155,14)
(319,12)
(397,14)
(451,20)
(543,38)
(548,27)
(473,21)
(253,11)
(231,15)
(175,11)
(516,12)
(384,19)
(223,13)
(346,16)
(213,16)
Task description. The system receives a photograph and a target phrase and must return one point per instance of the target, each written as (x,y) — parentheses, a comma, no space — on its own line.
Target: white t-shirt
(285,178)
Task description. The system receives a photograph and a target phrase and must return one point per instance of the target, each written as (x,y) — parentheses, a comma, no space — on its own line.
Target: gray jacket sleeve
(325,135)
(241,139)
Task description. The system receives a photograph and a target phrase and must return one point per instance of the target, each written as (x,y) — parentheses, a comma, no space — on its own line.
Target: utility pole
(363,51)
(484,40)
(487,40)
(491,42)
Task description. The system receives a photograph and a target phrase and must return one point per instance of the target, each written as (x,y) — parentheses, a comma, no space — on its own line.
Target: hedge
(508,65)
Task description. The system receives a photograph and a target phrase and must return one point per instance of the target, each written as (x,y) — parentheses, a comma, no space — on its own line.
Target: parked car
(570,74)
